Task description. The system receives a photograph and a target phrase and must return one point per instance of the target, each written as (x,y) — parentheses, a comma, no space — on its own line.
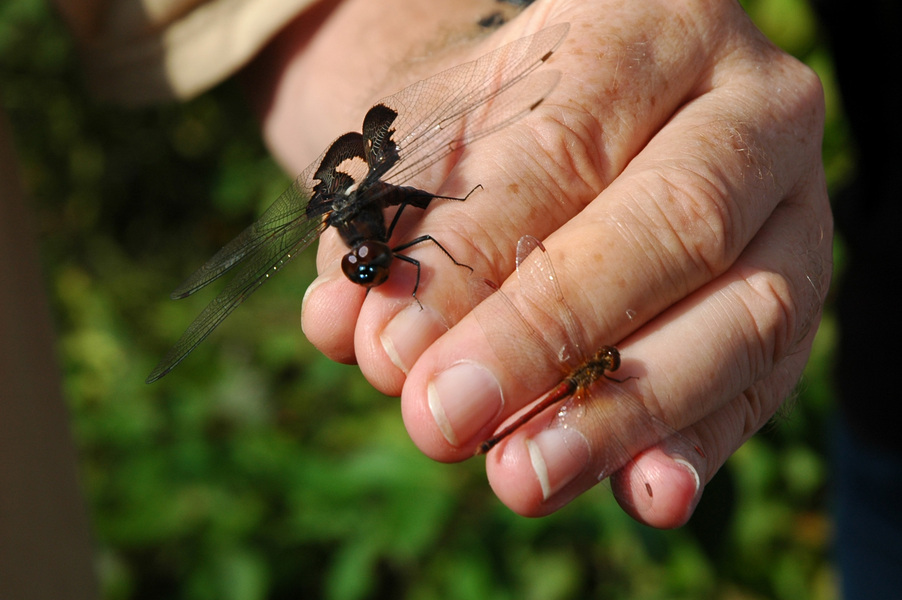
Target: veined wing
(294,220)
(443,113)
(527,349)
(283,242)
(622,427)
(285,218)
(295,215)
(523,351)
(435,117)
(539,287)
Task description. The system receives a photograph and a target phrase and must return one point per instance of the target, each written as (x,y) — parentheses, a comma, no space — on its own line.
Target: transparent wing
(522,350)
(540,288)
(284,244)
(622,427)
(285,218)
(445,112)
(435,117)
(283,231)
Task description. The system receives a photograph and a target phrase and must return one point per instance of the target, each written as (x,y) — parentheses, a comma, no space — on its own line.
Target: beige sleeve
(143,51)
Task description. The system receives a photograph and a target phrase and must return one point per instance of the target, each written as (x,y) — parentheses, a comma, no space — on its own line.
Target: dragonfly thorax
(607,359)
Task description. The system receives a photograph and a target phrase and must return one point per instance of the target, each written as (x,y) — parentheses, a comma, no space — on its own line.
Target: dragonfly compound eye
(368,263)
(610,356)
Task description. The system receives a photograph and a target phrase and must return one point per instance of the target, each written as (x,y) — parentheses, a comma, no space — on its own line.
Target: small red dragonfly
(624,425)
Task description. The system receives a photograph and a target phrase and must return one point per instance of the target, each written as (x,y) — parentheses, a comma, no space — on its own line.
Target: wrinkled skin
(675,177)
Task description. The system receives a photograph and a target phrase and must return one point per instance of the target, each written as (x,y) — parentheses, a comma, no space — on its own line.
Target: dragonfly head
(610,357)
(368,263)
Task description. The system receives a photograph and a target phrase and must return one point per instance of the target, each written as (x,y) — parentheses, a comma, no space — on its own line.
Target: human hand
(674,176)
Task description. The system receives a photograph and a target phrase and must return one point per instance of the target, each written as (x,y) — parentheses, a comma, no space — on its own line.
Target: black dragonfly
(361,174)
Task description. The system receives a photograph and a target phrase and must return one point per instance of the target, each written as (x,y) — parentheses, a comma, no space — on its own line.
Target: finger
(758,319)
(394,326)
(555,154)
(677,217)
(603,291)
(677,476)
(384,356)
(331,303)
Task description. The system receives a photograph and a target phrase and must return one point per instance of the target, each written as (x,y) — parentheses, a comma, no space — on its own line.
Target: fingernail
(691,468)
(463,400)
(686,453)
(558,455)
(409,333)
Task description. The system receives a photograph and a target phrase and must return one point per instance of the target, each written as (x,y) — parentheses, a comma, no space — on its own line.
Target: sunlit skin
(588,401)
(360,175)
(675,176)
(607,358)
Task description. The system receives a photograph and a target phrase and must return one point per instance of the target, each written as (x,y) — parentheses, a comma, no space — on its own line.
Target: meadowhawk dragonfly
(583,392)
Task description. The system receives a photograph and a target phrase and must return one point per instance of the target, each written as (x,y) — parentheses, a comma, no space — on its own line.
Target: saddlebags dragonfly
(361,174)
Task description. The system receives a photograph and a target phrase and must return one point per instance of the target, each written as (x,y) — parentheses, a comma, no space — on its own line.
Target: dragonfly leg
(423,238)
(422,201)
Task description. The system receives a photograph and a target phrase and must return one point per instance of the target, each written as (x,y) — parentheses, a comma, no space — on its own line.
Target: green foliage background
(262,470)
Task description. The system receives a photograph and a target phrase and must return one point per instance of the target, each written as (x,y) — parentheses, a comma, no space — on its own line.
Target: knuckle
(693,212)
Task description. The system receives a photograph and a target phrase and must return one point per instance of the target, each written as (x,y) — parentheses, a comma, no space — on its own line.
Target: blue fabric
(868,518)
